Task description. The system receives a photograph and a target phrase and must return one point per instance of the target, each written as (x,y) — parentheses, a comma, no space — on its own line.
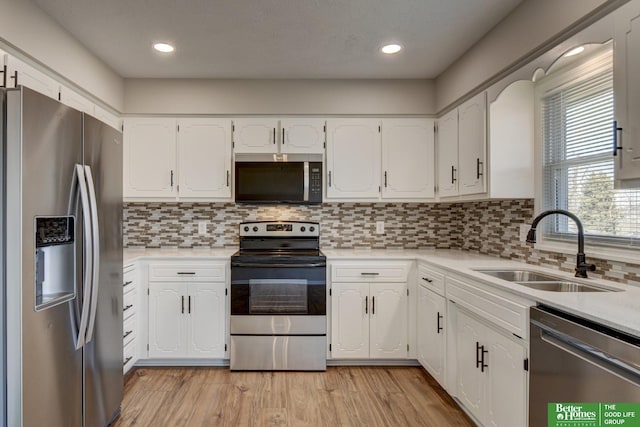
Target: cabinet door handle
(188,273)
(127,283)
(182,309)
(477,354)
(127,360)
(4,76)
(127,334)
(364,273)
(329,178)
(274,135)
(282,136)
(228,178)
(616,129)
(171,179)
(373,305)
(478,164)
(15,78)
(453,174)
(426,279)
(385,179)
(439,328)
(366,305)
(189,304)
(127,308)
(482,364)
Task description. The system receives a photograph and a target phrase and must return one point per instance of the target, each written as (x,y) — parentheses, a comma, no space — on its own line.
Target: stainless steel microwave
(278,182)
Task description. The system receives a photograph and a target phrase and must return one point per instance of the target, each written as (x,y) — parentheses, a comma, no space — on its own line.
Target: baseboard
(225,362)
(372,362)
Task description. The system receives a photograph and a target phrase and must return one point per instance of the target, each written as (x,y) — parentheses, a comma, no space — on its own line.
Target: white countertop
(618,310)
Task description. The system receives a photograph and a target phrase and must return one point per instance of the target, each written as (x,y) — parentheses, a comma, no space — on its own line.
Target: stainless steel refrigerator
(62,262)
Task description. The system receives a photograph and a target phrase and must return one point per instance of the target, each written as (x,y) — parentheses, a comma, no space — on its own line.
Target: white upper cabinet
(255,135)
(353,159)
(301,135)
(73,99)
(471,144)
(408,158)
(204,158)
(149,158)
(448,154)
(21,73)
(626,69)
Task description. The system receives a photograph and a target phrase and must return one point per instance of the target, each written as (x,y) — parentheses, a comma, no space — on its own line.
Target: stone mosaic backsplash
(486,227)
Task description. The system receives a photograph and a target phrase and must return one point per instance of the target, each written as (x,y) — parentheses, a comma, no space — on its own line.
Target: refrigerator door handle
(79,178)
(95,253)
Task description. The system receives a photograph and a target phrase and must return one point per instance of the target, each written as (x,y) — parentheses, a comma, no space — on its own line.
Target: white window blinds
(577,132)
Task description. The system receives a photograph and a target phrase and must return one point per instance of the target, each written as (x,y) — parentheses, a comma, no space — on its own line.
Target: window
(576,112)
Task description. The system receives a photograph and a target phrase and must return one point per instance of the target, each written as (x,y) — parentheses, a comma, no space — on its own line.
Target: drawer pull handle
(373,305)
(127,360)
(426,279)
(127,334)
(482,364)
(478,354)
(127,308)
(369,274)
(127,283)
(439,328)
(366,305)
(188,273)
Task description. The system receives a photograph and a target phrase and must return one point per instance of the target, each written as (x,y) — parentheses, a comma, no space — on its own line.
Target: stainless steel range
(278,298)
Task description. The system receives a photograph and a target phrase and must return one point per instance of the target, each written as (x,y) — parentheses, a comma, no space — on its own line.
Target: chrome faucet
(581,265)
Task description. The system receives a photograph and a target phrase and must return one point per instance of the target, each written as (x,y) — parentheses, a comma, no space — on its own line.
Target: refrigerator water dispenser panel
(55,261)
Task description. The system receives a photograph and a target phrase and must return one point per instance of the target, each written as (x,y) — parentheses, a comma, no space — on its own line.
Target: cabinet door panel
(149,158)
(471,144)
(431,332)
(206,320)
(626,69)
(350,306)
(255,136)
(448,173)
(469,382)
(204,158)
(302,136)
(408,158)
(167,322)
(353,159)
(388,321)
(506,382)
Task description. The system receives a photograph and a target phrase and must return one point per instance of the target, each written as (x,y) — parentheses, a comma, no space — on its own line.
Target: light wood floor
(341,396)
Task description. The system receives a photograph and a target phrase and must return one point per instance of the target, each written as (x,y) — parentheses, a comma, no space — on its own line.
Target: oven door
(268,289)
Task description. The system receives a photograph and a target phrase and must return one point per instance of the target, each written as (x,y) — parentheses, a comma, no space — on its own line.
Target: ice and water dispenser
(55,260)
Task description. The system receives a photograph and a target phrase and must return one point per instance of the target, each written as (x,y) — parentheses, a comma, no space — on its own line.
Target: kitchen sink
(519,275)
(542,282)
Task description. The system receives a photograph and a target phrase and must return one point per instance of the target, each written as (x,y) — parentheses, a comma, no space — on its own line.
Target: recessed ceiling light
(163,47)
(391,49)
(574,51)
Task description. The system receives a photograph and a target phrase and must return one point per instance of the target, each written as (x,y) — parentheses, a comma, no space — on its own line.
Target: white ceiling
(278,38)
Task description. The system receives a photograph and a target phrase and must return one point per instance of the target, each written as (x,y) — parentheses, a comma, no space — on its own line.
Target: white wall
(529,26)
(326,97)
(24,28)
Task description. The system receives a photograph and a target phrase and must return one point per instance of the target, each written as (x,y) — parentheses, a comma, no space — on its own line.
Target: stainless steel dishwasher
(575,360)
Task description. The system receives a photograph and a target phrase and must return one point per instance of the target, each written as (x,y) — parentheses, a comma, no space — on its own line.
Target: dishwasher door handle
(586,352)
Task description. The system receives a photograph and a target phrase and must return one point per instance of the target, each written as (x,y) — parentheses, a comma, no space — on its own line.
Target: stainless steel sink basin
(519,275)
(562,286)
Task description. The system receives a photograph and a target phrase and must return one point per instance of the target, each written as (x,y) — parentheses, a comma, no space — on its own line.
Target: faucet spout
(581,262)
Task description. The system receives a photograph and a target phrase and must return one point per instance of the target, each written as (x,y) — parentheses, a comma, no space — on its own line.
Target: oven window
(269,296)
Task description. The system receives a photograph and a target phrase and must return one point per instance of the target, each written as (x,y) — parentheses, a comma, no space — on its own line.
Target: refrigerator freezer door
(44,369)
(103,354)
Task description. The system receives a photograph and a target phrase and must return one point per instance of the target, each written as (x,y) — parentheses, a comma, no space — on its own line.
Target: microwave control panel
(315,182)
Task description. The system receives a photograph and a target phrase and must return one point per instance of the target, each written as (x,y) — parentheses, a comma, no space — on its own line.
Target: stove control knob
(312,229)
(246,228)
(303,229)
(255,229)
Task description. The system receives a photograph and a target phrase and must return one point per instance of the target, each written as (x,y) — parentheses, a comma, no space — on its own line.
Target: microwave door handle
(305,195)
(88,260)
(95,253)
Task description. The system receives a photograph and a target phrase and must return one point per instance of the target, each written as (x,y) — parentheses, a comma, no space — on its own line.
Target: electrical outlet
(202,228)
(379,227)
(524,229)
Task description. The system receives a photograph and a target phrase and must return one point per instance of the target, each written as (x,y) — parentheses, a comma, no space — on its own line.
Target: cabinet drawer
(129,280)
(128,304)
(128,356)
(371,272)
(191,272)
(430,279)
(501,311)
(129,329)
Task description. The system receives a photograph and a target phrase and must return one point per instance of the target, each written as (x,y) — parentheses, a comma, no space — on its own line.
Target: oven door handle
(278,265)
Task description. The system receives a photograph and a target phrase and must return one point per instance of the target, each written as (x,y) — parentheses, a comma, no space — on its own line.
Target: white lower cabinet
(186,320)
(129,317)
(491,378)
(431,339)
(369,320)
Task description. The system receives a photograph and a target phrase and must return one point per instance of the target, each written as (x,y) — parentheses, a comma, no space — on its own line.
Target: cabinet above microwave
(273,136)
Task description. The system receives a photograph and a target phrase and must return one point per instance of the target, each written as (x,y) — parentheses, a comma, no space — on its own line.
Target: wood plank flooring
(341,396)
